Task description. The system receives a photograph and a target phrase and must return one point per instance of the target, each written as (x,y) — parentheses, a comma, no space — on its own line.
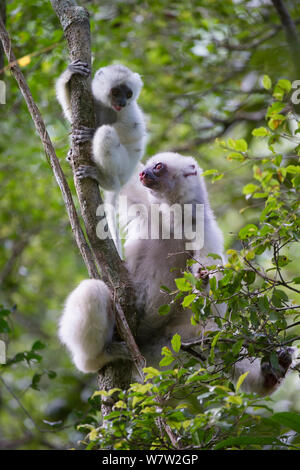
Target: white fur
(63,93)
(149,263)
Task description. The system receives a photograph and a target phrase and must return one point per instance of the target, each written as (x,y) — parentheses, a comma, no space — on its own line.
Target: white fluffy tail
(86,326)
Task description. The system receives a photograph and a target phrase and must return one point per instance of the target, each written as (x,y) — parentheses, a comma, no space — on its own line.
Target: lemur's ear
(137,77)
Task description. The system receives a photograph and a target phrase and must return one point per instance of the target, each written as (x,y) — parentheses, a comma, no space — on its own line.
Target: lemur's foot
(203,274)
(87,171)
(285,357)
(83,134)
(118,350)
(69,156)
(272,376)
(79,67)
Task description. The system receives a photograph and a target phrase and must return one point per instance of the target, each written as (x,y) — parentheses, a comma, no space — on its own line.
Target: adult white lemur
(119,138)
(87,323)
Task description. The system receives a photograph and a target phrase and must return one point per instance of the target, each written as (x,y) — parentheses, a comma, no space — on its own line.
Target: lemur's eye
(129,94)
(115,91)
(158,167)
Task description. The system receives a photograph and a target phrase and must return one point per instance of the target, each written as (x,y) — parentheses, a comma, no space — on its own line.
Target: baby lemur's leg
(110,156)
(87,324)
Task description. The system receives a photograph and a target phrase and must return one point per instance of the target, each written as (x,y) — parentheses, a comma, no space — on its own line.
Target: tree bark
(3,16)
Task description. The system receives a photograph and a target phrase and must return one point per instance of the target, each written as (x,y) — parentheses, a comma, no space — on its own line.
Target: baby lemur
(119,138)
(87,324)
(118,141)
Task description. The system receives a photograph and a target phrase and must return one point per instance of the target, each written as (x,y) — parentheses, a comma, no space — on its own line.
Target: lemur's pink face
(119,96)
(153,176)
(160,177)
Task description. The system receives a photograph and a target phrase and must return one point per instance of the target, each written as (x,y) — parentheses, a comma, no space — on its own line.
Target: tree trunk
(3,16)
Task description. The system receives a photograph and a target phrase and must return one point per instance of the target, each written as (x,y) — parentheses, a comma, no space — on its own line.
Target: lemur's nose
(146,174)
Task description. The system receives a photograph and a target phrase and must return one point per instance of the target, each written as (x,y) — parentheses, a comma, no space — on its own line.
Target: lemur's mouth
(146,179)
(117,108)
(192,173)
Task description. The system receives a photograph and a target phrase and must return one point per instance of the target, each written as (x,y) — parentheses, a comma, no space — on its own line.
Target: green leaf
(267,82)
(188,300)
(164,309)
(166,361)
(38,345)
(217,177)
(237,347)
(248,231)
(4,327)
(235,400)
(293,169)
(260,132)
(241,145)
(281,261)
(235,156)
(250,188)
(287,419)
(275,108)
(241,380)
(165,289)
(210,172)
(246,441)
(249,277)
(176,343)
(183,285)
(285,85)
(214,256)
(213,344)
(281,88)
(35,381)
(51,374)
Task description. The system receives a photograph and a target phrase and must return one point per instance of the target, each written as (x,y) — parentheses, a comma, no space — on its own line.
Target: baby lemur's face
(119,96)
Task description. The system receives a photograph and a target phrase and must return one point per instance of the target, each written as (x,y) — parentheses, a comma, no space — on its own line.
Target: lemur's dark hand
(83,134)
(79,67)
(203,274)
(272,376)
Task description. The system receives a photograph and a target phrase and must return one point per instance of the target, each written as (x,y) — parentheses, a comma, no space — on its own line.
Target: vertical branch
(3,16)
(292,36)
